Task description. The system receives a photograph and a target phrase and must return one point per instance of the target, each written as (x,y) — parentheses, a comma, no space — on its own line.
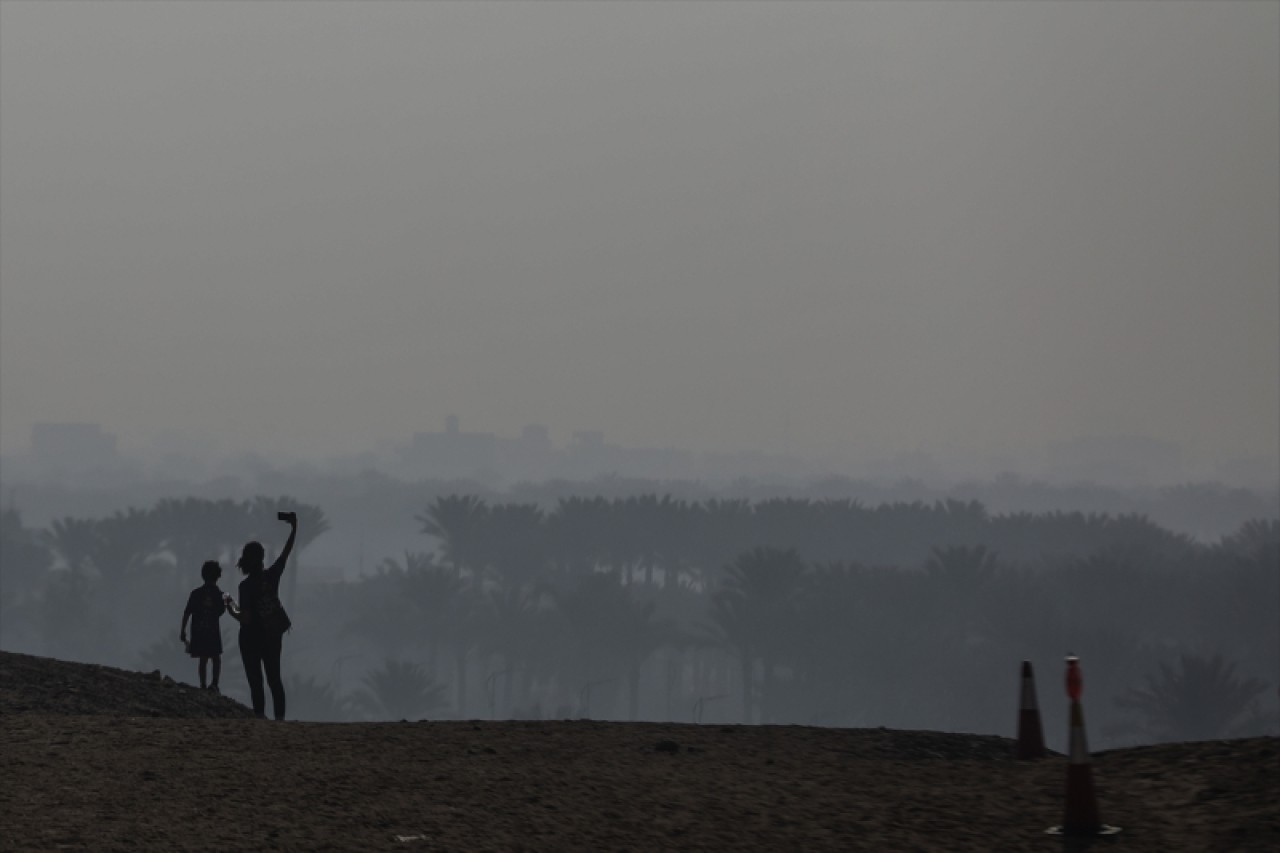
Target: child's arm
(187,613)
(230,604)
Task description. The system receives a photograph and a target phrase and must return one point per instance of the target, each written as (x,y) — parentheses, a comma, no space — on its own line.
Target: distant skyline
(968,230)
(67,452)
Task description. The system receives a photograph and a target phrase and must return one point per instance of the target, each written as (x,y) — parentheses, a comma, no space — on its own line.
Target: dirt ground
(159,766)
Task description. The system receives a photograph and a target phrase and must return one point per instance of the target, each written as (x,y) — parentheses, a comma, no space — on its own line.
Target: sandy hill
(36,685)
(97,758)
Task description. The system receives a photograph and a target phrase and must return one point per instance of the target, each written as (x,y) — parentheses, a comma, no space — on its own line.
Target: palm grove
(824,612)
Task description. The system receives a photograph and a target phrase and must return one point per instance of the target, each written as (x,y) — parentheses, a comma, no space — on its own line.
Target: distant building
(588,455)
(530,457)
(493,460)
(451,454)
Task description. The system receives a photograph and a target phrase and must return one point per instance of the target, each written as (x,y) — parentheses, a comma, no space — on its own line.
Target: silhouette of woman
(263,620)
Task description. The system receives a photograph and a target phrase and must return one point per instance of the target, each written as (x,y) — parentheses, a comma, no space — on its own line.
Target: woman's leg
(217,671)
(202,669)
(271,663)
(251,656)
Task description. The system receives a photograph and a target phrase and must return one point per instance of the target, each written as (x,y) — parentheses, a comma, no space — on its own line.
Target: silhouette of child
(204,609)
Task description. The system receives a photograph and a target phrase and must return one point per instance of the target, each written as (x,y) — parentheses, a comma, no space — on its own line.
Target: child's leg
(217,670)
(203,667)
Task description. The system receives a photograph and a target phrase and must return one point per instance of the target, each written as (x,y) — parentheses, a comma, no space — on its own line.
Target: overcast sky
(797,227)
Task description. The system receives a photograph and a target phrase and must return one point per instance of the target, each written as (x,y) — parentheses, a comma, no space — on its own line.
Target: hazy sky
(795,227)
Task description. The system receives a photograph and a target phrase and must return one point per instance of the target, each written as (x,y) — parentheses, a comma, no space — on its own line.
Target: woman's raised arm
(283,559)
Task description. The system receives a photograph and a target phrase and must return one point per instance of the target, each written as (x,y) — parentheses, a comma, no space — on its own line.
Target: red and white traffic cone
(1081,814)
(1030,744)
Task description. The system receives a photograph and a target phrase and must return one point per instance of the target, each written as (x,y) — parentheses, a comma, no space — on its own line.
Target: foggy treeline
(908,614)
(371,520)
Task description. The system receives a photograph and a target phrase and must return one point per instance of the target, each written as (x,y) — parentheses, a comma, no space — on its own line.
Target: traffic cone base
(1081,817)
(1102,831)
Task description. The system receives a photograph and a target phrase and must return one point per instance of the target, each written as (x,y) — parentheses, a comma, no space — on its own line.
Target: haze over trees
(815,611)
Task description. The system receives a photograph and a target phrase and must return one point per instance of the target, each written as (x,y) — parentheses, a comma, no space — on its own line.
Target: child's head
(251,557)
(210,571)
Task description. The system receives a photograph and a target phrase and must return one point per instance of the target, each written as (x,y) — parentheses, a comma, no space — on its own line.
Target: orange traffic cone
(1081,814)
(1030,743)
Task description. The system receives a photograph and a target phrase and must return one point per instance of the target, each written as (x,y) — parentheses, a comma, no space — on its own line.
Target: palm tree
(126,544)
(639,635)
(74,625)
(613,630)
(24,558)
(428,603)
(1259,535)
(1203,699)
(723,526)
(400,690)
(462,636)
(653,529)
(195,530)
(314,700)
(126,541)
(754,613)
(961,570)
(457,521)
(511,625)
(435,593)
(381,613)
(834,652)
(74,540)
(578,534)
(955,579)
(782,523)
(516,542)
